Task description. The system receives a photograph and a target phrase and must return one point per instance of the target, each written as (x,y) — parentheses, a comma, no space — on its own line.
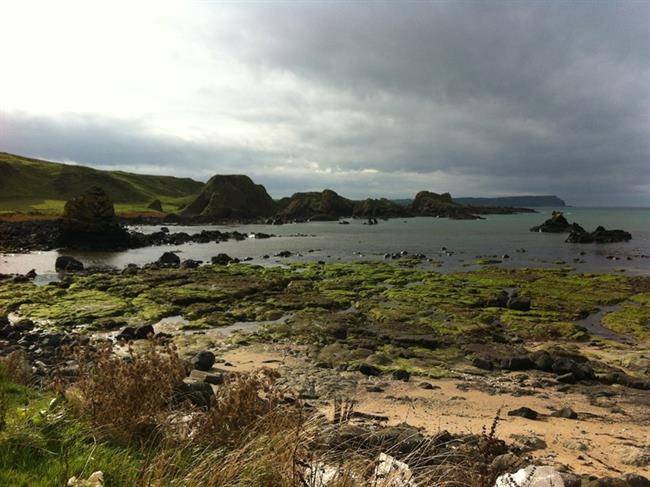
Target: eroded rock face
(89,222)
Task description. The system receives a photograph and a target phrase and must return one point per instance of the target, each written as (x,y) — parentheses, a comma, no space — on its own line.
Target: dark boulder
(524,412)
(136,332)
(190,264)
(581,371)
(199,394)
(367,369)
(169,259)
(518,303)
(203,360)
(482,363)
(401,374)
(65,263)
(542,360)
(221,259)
(517,363)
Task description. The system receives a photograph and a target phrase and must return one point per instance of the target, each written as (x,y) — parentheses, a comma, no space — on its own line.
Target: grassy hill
(29,185)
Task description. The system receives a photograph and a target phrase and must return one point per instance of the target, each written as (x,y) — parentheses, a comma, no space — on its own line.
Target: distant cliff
(510,201)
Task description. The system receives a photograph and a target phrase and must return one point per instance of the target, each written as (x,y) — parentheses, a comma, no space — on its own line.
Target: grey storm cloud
(480,98)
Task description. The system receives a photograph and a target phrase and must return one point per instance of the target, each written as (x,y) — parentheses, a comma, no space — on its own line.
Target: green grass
(31,185)
(42,445)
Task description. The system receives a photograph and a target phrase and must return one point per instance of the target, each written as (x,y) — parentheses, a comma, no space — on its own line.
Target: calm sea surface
(467,240)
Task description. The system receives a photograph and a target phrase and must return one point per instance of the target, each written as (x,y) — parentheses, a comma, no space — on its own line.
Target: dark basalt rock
(221,259)
(89,222)
(556,224)
(600,235)
(524,412)
(190,264)
(517,363)
(65,263)
(400,374)
(198,393)
(482,363)
(518,303)
(169,259)
(581,371)
(370,370)
(136,332)
(203,360)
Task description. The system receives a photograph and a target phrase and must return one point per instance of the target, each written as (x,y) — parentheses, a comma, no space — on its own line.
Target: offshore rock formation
(556,224)
(379,208)
(600,235)
(324,206)
(231,196)
(427,203)
(89,222)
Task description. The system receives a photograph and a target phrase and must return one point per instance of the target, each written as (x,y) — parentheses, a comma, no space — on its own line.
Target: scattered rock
(369,370)
(169,259)
(565,412)
(221,259)
(532,476)
(482,363)
(203,360)
(65,263)
(401,374)
(524,412)
(518,303)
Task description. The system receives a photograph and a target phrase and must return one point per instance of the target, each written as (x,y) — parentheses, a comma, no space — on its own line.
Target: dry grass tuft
(127,399)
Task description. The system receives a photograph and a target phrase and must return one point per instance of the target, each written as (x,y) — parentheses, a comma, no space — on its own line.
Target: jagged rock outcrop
(326,205)
(231,196)
(427,203)
(379,208)
(556,224)
(89,222)
(600,235)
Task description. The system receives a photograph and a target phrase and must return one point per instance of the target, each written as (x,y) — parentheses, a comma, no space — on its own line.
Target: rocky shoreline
(390,338)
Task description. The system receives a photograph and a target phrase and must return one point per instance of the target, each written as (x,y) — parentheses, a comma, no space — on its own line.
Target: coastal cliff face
(231,196)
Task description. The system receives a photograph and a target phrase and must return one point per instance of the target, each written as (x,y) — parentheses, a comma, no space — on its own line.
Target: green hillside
(35,185)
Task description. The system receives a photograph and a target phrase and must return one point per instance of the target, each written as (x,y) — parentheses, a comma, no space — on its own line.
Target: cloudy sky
(367,98)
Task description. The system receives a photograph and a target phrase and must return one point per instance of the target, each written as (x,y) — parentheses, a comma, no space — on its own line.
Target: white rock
(96,479)
(531,476)
(390,472)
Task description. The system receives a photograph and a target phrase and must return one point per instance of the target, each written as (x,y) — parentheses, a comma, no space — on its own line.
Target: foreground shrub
(127,398)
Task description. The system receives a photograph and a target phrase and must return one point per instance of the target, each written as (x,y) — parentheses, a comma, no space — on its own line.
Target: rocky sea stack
(326,205)
(556,224)
(89,222)
(231,196)
(427,203)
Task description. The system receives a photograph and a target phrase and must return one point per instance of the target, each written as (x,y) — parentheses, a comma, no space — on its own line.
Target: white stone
(531,476)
